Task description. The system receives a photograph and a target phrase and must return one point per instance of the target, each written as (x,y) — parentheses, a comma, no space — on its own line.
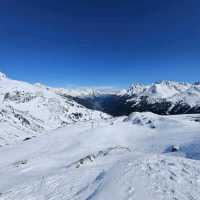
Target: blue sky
(95,43)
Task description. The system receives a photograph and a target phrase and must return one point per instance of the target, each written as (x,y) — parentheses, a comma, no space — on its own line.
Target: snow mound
(148,119)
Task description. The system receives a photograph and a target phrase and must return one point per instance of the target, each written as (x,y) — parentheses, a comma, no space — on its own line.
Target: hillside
(27,110)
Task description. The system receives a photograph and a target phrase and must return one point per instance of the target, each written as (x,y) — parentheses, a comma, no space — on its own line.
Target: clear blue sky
(90,42)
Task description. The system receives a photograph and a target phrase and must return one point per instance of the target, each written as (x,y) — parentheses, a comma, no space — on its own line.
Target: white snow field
(143,156)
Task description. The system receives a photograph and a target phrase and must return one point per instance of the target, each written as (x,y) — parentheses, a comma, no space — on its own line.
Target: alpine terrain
(164,97)
(27,110)
(53,147)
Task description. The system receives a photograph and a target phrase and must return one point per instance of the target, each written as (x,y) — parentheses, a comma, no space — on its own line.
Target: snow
(106,159)
(2,76)
(178,97)
(52,148)
(170,91)
(86,91)
(28,110)
(151,177)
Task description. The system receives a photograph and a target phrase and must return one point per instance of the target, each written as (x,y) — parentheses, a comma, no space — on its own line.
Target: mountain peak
(136,88)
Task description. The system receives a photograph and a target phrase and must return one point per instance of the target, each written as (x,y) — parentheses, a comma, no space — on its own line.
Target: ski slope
(122,158)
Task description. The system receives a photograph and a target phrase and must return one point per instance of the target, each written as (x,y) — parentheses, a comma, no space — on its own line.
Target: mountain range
(30,109)
(57,143)
(164,97)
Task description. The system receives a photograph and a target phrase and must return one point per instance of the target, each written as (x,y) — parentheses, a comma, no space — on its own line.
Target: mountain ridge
(163,97)
(27,110)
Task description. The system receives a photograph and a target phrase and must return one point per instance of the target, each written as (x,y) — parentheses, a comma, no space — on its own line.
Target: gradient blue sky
(94,43)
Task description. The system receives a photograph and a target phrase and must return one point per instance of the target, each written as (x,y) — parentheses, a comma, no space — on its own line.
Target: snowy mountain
(92,98)
(86,91)
(88,155)
(121,158)
(27,110)
(165,97)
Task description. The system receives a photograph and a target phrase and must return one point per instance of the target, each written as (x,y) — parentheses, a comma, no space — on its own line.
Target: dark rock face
(25,139)
(98,155)
(120,105)
(175,148)
(143,106)
(19,97)
(23,120)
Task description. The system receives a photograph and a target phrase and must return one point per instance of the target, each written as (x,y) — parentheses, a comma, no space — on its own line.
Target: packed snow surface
(122,158)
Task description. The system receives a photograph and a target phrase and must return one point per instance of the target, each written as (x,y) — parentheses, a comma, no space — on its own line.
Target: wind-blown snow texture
(140,156)
(117,159)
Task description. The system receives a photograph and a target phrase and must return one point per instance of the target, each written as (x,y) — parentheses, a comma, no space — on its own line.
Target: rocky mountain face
(165,97)
(27,110)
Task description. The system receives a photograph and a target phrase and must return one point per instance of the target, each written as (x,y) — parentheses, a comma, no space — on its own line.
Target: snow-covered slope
(26,110)
(114,159)
(140,156)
